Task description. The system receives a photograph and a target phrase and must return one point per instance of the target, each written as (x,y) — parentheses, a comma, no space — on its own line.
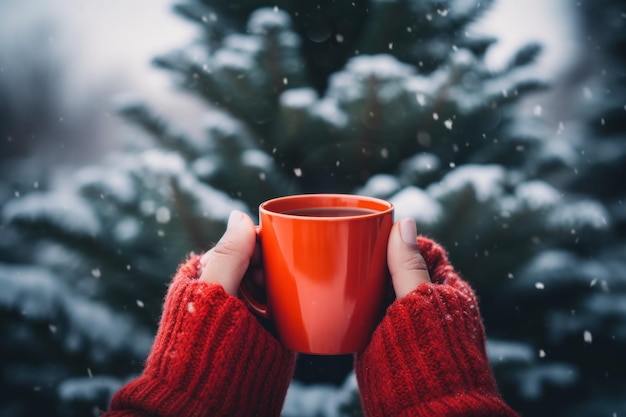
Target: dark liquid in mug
(330,212)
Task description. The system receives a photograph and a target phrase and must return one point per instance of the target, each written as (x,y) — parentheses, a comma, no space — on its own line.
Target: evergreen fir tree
(384,98)
(570,299)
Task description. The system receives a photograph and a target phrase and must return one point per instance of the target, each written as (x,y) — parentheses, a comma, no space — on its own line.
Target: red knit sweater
(212,358)
(427,357)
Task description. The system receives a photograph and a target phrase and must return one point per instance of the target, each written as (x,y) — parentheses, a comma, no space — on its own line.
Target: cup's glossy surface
(325,271)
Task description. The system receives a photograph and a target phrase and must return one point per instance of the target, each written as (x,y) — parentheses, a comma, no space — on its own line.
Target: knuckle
(225,247)
(414,263)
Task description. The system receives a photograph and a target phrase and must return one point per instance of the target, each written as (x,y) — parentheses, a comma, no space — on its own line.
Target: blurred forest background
(129,130)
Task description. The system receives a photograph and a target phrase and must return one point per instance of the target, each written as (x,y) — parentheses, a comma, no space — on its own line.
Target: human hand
(227,262)
(229,259)
(406,264)
(437,329)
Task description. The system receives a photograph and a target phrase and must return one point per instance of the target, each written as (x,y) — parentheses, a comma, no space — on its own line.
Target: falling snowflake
(163,215)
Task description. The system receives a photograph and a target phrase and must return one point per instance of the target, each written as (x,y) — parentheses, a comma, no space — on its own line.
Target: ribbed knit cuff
(427,357)
(210,357)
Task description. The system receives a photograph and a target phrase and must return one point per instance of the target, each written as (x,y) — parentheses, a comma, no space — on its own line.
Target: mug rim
(276,206)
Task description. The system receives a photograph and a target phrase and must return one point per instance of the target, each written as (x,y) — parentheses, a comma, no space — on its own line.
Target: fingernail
(234,218)
(408,231)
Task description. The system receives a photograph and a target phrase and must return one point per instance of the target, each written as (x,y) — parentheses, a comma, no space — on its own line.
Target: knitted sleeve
(210,357)
(428,355)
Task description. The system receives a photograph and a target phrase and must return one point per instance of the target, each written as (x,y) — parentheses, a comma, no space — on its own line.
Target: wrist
(428,350)
(211,354)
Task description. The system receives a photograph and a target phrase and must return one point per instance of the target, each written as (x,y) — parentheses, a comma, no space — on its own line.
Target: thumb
(406,265)
(227,261)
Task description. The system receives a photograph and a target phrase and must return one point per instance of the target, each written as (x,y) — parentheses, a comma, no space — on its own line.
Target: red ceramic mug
(325,266)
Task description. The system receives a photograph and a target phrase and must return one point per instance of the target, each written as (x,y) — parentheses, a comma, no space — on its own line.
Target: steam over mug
(325,265)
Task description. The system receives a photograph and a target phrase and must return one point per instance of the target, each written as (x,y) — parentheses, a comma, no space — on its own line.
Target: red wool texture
(211,357)
(428,356)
